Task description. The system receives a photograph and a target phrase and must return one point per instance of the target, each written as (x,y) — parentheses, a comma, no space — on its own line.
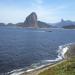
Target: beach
(37,71)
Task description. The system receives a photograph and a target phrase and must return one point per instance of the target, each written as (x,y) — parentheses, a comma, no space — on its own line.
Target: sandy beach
(36,72)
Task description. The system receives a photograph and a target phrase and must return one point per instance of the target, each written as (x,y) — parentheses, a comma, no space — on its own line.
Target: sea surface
(23,48)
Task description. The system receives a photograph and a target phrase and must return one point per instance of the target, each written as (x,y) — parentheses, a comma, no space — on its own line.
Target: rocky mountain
(32,21)
(9,24)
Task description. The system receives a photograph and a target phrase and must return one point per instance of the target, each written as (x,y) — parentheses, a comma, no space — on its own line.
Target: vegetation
(64,68)
(69,27)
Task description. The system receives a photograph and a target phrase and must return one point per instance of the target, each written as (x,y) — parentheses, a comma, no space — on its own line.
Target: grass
(65,68)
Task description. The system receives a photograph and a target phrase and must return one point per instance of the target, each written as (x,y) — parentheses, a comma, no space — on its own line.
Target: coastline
(37,71)
(62,50)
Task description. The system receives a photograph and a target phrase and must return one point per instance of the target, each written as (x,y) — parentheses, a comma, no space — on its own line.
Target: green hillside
(65,68)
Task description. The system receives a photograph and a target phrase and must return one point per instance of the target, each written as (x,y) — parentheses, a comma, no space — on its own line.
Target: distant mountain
(31,21)
(10,24)
(2,24)
(64,23)
(69,27)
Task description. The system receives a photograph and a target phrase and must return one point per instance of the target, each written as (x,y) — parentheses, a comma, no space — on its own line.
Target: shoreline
(61,51)
(37,71)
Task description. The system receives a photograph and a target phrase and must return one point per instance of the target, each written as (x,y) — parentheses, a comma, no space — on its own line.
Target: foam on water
(17,73)
(61,52)
(63,49)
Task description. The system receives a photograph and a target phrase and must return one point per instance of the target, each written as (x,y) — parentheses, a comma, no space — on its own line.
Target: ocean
(25,49)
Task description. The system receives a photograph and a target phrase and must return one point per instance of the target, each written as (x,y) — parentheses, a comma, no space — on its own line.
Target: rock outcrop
(31,20)
(71,51)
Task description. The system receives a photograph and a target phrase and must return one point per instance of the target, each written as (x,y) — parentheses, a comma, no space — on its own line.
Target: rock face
(71,51)
(31,20)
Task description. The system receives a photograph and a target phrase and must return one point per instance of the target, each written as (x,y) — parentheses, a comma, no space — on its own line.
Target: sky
(49,11)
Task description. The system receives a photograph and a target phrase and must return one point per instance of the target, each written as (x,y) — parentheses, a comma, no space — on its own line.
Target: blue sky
(47,10)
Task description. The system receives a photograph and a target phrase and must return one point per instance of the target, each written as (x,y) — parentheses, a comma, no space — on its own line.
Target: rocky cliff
(32,21)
